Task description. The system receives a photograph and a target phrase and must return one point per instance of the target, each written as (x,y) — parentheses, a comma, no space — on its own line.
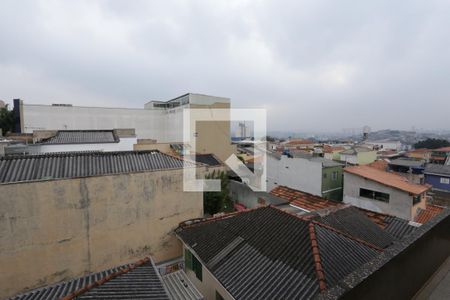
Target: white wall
(400,203)
(350,158)
(297,173)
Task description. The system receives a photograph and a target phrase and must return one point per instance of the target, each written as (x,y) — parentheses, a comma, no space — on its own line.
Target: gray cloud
(316,65)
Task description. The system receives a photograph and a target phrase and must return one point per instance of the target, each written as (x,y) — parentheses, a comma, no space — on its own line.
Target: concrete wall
(400,203)
(208,285)
(297,173)
(332,189)
(365,158)
(403,270)
(60,229)
(243,194)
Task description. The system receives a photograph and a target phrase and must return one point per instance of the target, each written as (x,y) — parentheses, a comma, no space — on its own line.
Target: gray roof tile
(73,165)
(266,253)
(82,137)
(143,282)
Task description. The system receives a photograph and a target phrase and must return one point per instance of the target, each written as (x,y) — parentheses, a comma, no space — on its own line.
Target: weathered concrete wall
(60,229)
(400,203)
(403,269)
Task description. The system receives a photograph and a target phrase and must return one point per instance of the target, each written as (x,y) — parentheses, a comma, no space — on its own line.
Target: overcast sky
(315,65)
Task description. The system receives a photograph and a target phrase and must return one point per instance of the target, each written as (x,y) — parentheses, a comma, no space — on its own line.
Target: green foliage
(6,120)
(215,202)
(432,144)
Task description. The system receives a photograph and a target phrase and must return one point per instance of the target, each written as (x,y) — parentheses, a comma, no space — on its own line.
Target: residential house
(158,120)
(314,175)
(72,213)
(386,144)
(249,254)
(438,176)
(332,152)
(421,154)
(384,192)
(358,155)
(440,156)
(411,169)
(244,197)
(298,144)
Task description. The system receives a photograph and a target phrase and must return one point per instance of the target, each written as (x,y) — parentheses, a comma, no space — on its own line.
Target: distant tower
(366,130)
(243,130)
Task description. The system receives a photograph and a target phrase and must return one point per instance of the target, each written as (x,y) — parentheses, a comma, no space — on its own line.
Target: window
(416,199)
(334,176)
(197,268)
(192,263)
(445,180)
(374,195)
(324,175)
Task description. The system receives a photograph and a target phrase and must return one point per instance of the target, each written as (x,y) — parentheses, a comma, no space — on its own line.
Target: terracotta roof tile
(424,215)
(443,149)
(388,179)
(312,203)
(302,199)
(379,165)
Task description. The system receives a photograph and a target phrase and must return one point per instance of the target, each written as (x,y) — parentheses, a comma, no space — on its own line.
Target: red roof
(420,150)
(379,165)
(424,215)
(443,149)
(299,142)
(311,202)
(331,149)
(388,179)
(302,199)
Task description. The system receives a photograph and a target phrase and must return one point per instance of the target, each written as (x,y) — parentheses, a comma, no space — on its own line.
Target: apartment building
(158,120)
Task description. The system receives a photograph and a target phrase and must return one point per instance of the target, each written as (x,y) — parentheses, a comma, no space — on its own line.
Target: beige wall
(56,230)
(214,137)
(209,284)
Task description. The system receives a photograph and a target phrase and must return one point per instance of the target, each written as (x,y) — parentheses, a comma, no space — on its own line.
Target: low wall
(60,229)
(402,270)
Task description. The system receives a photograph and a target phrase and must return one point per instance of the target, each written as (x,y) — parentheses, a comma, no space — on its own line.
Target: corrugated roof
(140,281)
(352,221)
(437,169)
(266,253)
(315,203)
(180,287)
(73,165)
(207,159)
(82,137)
(388,179)
(398,228)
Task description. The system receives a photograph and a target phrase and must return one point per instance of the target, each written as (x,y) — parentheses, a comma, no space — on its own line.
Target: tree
(215,202)
(6,119)
(432,144)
